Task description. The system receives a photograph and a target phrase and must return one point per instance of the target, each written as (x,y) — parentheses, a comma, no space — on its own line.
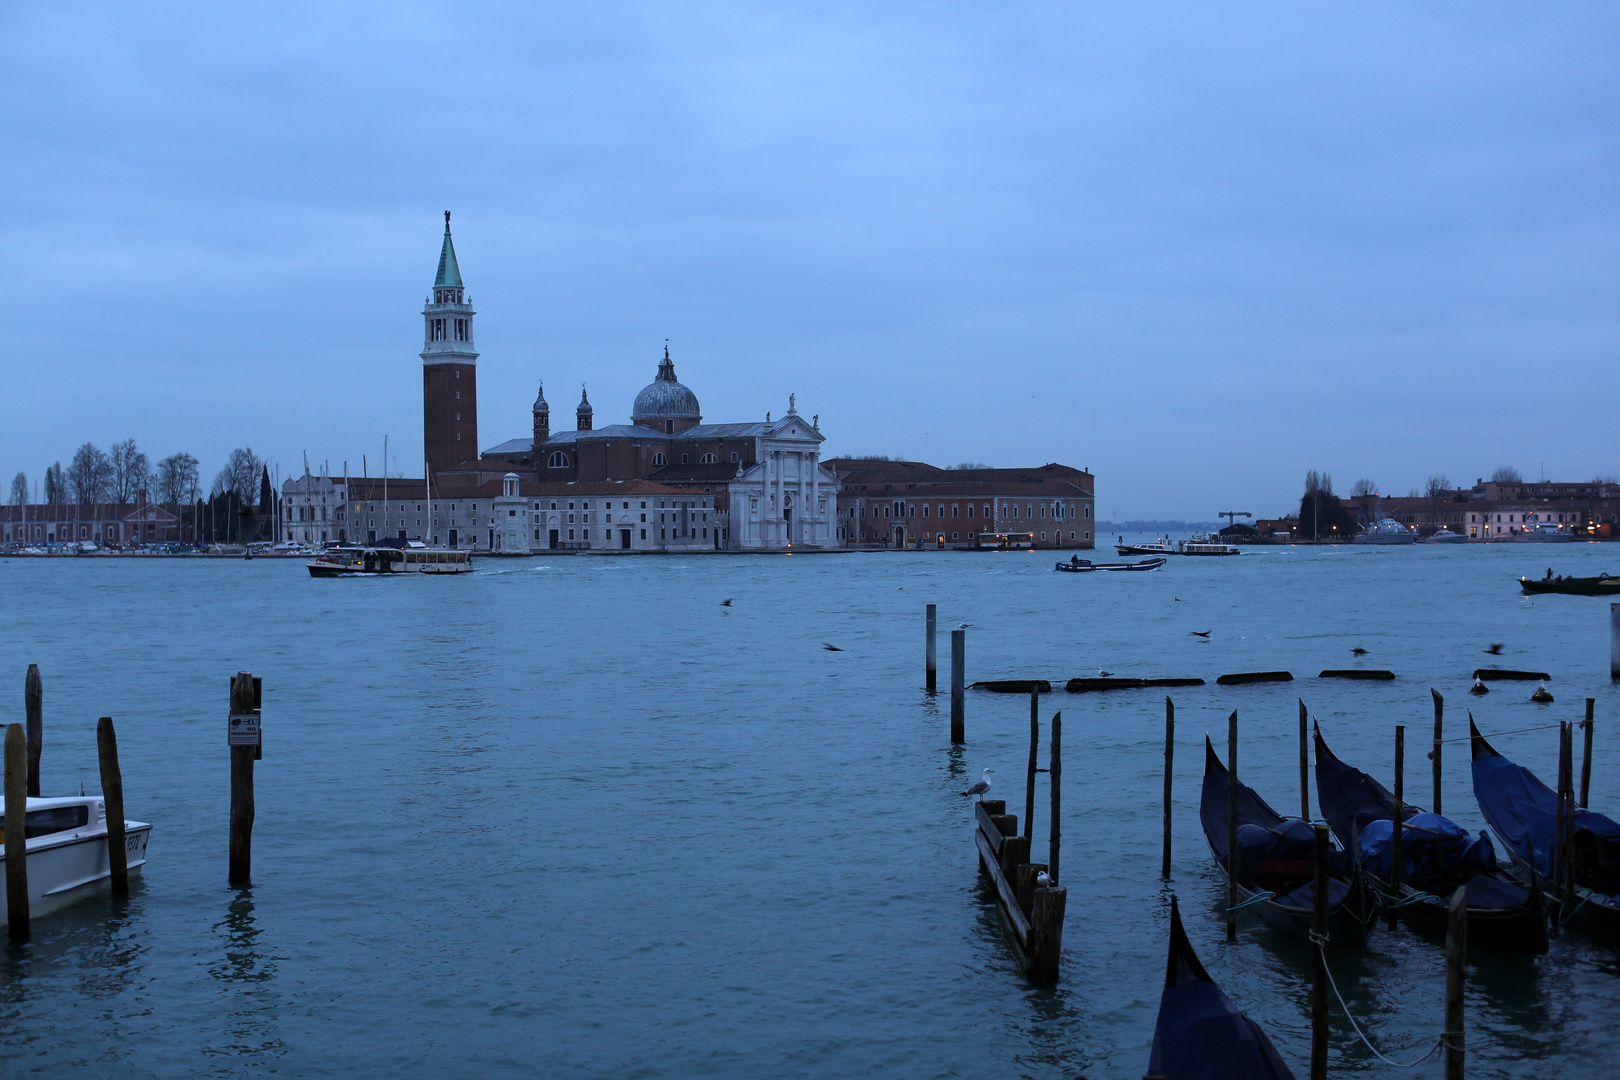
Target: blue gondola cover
(1431,845)
(1524,812)
(1201,1035)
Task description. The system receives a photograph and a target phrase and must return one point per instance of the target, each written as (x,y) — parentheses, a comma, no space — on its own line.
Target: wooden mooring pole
(1231,826)
(1034,747)
(1304,765)
(1395,852)
(1319,972)
(958,681)
(1566,804)
(1169,758)
(1586,755)
(1456,972)
(1055,772)
(243,709)
(112,797)
(1614,641)
(16,787)
(929,675)
(1439,733)
(34,706)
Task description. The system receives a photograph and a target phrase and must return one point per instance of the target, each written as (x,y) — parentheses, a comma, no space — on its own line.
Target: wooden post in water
(1586,755)
(241,843)
(958,679)
(1231,826)
(1304,766)
(1397,857)
(1614,641)
(16,787)
(34,706)
(1319,973)
(1439,733)
(1169,757)
(112,796)
(1055,774)
(1567,810)
(1034,747)
(1456,971)
(928,651)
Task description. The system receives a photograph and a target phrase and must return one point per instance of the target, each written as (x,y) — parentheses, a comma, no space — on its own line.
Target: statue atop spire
(666,369)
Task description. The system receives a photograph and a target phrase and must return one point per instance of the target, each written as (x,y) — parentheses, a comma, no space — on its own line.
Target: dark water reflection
(572,817)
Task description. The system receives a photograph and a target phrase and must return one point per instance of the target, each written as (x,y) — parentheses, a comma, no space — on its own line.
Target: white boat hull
(66,867)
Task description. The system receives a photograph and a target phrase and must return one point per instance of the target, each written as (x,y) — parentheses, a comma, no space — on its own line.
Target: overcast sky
(1198,249)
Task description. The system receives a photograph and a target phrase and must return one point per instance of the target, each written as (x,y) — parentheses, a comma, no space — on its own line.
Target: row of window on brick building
(1031,511)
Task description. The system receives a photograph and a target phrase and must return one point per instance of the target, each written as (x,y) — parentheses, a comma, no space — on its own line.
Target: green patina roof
(449,272)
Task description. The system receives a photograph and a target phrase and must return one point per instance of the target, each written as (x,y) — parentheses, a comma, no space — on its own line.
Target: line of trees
(124,474)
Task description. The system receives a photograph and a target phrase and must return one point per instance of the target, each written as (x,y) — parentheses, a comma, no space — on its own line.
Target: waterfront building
(897,504)
(104,524)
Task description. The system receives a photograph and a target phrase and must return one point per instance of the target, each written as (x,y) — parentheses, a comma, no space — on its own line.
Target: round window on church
(559,460)
(659,459)
(709,459)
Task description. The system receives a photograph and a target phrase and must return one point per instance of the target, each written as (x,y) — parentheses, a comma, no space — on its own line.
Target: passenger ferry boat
(412,557)
(1204,544)
(67,852)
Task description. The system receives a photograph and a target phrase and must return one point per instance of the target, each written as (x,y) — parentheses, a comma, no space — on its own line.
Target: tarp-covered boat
(1437,855)
(1523,812)
(1200,1034)
(1274,864)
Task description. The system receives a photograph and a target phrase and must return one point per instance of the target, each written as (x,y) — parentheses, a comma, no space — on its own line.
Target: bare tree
(1507,474)
(55,488)
(240,476)
(177,479)
(961,465)
(19,490)
(131,472)
(1363,488)
(1438,486)
(89,473)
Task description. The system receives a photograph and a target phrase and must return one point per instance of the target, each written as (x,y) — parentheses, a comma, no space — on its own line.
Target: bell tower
(449,371)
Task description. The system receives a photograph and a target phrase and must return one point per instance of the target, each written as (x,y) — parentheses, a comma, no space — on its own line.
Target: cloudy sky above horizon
(1198,249)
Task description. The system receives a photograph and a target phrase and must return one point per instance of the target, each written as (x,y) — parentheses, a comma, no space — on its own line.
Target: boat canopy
(1524,812)
(1430,845)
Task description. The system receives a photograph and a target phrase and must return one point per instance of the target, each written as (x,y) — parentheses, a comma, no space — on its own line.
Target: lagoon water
(573,817)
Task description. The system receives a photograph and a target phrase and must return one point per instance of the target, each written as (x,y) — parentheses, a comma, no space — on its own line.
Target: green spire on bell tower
(449,272)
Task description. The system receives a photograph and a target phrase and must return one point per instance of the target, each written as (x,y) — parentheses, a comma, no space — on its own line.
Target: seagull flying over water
(981,787)
(964,626)
(1199,633)
(1358,651)
(1495,649)
(830,648)
(725,603)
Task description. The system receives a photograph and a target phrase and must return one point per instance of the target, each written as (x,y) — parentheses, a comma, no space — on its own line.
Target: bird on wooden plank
(1495,649)
(1200,633)
(1043,880)
(1358,651)
(1478,687)
(964,626)
(830,648)
(981,787)
(725,603)
(1105,674)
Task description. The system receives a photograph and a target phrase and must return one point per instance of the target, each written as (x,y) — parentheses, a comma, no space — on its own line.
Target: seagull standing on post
(981,787)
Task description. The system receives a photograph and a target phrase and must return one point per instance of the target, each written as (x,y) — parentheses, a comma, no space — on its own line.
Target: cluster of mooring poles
(23,746)
(1029,899)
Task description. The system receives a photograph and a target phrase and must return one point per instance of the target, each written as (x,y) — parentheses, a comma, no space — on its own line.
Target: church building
(665,481)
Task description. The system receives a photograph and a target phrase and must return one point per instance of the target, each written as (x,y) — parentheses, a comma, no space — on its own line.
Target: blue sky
(1198,249)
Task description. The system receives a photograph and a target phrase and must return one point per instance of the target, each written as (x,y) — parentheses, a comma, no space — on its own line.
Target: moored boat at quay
(67,852)
(411,557)
(1387,531)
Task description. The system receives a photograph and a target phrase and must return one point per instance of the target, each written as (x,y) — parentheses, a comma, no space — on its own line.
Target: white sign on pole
(244,729)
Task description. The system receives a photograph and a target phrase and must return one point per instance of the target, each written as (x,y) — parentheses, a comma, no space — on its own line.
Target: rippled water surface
(574,817)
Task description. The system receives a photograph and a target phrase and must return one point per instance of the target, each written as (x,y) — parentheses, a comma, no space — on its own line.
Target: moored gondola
(1200,1034)
(1437,856)
(1523,812)
(1274,874)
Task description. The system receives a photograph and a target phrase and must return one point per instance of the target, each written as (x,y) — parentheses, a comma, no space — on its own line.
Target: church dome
(665,398)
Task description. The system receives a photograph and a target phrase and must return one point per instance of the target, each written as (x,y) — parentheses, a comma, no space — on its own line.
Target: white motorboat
(1387,531)
(413,557)
(1162,546)
(67,852)
(1446,536)
(1545,532)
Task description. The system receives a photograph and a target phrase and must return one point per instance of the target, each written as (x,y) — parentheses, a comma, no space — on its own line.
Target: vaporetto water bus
(411,557)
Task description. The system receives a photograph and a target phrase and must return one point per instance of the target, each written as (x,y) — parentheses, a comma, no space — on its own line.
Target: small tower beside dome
(583,413)
(449,367)
(542,422)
